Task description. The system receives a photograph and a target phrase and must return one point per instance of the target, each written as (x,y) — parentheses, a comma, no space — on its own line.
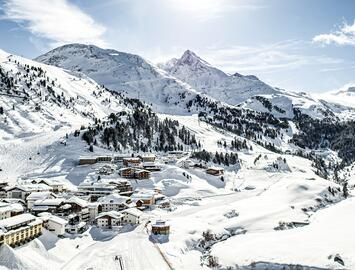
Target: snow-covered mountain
(35,97)
(344,96)
(173,90)
(245,91)
(124,72)
(207,79)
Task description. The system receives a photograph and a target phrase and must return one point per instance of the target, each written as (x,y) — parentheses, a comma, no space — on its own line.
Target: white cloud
(276,57)
(58,21)
(344,36)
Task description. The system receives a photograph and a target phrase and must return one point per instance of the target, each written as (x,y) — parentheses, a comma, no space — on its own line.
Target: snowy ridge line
(182,79)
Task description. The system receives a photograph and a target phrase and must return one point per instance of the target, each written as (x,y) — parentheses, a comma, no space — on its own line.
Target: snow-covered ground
(261,215)
(245,208)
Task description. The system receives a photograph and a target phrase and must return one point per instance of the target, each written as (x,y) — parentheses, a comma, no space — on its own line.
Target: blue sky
(303,45)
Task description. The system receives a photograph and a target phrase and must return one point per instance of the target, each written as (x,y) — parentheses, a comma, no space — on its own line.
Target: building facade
(20,229)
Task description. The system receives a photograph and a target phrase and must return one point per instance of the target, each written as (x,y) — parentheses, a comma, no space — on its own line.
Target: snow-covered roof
(49,202)
(113,199)
(81,224)
(57,220)
(51,182)
(112,214)
(95,185)
(132,159)
(141,171)
(45,216)
(37,187)
(159,196)
(215,168)
(16,220)
(149,164)
(150,155)
(138,196)
(126,168)
(77,201)
(117,181)
(133,211)
(40,208)
(39,195)
(160,223)
(13,207)
(65,206)
(17,187)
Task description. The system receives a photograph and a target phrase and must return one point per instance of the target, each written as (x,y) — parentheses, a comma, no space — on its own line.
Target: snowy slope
(262,198)
(282,105)
(45,98)
(247,218)
(37,117)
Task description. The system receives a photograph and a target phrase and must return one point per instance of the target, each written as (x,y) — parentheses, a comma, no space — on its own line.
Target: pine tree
(345,190)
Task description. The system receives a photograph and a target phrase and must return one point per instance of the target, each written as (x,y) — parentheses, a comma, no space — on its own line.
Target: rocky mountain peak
(190,58)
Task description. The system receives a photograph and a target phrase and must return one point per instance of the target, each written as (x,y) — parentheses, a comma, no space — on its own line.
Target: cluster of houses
(130,167)
(30,206)
(25,209)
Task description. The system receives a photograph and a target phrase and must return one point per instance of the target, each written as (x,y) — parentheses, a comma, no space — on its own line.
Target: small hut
(160,228)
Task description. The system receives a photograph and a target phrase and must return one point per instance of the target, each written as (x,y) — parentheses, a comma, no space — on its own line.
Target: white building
(47,205)
(57,225)
(17,192)
(145,197)
(148,157)
(22,191)
(53,223)
(76,228)
(109,220)
(20,229)
(113,202)
(8,210)
(96,189)
(79,207)
(132,215)
(35,196)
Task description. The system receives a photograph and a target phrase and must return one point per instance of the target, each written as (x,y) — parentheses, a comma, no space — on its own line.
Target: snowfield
(244,211)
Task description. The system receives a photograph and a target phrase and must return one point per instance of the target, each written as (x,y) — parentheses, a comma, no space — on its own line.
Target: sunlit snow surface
(32,145)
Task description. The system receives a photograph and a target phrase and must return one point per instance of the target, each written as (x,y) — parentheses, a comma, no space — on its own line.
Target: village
(113,200)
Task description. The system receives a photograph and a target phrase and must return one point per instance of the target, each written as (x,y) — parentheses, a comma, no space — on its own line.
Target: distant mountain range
(39,96)
(170,86)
